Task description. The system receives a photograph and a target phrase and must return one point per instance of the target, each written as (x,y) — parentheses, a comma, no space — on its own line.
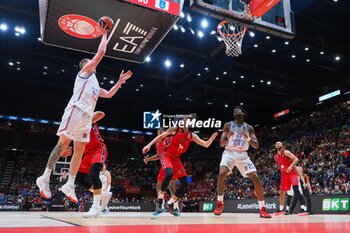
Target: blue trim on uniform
(87,77)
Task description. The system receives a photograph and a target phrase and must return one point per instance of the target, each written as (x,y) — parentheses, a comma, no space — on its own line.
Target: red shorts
(168,161)
(288,180)
(93,156)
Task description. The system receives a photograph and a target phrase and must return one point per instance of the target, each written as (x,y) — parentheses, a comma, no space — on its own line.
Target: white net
(232,34)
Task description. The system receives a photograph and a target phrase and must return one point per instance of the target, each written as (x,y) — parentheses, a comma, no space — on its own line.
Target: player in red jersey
(161,175)
(95,156)
(286,161)
(181,138)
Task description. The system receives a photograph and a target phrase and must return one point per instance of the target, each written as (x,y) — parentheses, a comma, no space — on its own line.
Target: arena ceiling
(37,79)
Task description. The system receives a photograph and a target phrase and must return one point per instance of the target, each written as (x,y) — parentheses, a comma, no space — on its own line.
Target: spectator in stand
(337,190)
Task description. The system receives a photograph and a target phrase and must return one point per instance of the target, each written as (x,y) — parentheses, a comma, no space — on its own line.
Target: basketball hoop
(232,34)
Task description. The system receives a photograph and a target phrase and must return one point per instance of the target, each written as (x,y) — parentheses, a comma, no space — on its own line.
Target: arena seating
(320,139)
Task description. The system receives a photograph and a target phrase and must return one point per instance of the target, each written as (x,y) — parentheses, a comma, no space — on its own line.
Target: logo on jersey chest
(182,141)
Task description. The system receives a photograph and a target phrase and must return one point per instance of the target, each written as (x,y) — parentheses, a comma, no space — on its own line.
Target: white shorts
(290,192)
(238,159)
(75,124)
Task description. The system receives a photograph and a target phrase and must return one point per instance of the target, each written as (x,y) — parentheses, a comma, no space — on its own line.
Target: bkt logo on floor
(335,204)
(151,120)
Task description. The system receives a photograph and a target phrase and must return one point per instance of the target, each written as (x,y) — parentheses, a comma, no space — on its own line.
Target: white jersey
(85,93)
(231,159)
(237,140)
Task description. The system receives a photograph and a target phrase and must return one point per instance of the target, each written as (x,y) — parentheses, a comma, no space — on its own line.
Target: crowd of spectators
(320,140)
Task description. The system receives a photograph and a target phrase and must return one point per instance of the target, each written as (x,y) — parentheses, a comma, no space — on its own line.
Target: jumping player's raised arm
(224,139)
(294,159)
(92,64)
(160,137)
(251,138)
(98,115)
(122,79)
(203,143)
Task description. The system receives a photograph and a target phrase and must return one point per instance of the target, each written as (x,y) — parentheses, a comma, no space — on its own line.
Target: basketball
(106,21)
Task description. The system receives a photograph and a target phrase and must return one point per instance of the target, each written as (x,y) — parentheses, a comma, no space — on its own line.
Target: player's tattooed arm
(55,156)
(160,137)
(224,139)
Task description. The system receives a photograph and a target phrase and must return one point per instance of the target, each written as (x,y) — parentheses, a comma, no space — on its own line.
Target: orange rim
(221,24)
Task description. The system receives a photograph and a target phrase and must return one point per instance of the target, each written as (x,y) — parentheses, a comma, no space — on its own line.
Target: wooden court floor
(68,222)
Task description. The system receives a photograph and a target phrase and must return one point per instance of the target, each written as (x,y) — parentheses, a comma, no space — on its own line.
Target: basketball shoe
(44,187)
(69,191)
(219,207)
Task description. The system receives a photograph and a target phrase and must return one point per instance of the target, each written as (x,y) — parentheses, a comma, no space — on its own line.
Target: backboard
(139,25)
(279,20)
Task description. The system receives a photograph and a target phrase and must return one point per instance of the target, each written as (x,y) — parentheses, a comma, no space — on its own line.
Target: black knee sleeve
(169,173)
(94,175)
(81,179)
(183,187)
(298,195)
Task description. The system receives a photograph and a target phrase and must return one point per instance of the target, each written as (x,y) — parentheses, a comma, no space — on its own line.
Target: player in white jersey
(106,179)
(76,121)
(236,138)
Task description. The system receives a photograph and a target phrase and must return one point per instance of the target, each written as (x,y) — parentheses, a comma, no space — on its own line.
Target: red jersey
(96,140)
(283,163)
(162,144)
(179,143)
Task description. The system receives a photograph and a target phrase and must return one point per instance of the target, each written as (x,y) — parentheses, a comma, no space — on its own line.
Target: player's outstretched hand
(146,149)
(145,160)
(125,76)
(211,139)
(213,136)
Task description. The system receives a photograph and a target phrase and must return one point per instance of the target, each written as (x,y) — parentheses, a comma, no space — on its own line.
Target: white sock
(176,205)
(287,208)
(221,198)
(71,180)
(281,207)
(261,204)
(47,173)
(160,195)
(303,207)
(97,200)
(171,201)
